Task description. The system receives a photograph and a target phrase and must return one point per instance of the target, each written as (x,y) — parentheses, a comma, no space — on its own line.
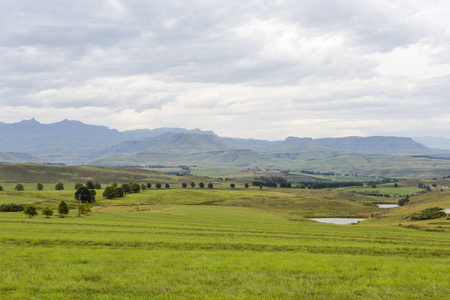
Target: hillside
(76,143)
(23,173)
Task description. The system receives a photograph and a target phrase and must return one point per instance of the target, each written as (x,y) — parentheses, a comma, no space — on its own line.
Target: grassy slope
(14,173)
(222,243)
(204,252)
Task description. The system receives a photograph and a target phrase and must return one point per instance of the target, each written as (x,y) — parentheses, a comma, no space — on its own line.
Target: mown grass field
(222,243)
(213,252)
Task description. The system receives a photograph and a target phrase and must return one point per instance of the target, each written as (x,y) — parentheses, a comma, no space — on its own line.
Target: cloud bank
(243,69)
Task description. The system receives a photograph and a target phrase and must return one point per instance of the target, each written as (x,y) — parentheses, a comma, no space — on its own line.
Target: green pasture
(224,243)
(202,252)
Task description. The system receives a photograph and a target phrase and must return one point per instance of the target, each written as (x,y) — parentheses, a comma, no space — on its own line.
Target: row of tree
(63,209)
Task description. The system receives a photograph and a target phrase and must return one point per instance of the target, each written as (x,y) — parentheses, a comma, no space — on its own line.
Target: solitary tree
(396,184)
(167,186)
(63,209)
(158,185)
(143,187)
(192,184)
(149,185)
(232,185)
(210,185)
(19,187)
(1,188)
(59,186)
(30,210)
(201,185)
(246,185)
(47,212)
(40,186)
(184,185)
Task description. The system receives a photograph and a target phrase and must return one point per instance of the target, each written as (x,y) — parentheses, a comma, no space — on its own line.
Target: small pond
(387,205)
(338,221)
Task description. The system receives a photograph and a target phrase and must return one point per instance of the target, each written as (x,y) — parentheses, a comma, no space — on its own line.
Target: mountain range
(73,142)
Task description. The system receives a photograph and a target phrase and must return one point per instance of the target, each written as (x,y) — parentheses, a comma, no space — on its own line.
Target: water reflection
(338,221)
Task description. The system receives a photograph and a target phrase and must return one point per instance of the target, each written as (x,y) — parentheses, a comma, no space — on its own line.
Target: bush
(184,185)
(201,185)
(1,188)
(210,185)
(12,207)
(429,214)
(39,186)
(59,186)
(47,212)
(19,187)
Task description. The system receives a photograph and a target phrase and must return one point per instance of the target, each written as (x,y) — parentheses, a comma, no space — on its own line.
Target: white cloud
(247,69)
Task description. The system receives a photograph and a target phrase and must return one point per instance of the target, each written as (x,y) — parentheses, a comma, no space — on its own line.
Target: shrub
(1,188)
(158,185)
(429,214)
(19,187)
(232,185)
(184,185)
(59,186)
(12,207)
(97,186)
(201,185)
(47,212)
(210,185)
(167,186)
(39,186)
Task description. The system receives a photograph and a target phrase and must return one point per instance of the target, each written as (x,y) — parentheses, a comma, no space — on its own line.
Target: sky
(248,69)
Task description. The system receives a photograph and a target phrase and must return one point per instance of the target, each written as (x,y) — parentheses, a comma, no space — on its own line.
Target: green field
(223,243)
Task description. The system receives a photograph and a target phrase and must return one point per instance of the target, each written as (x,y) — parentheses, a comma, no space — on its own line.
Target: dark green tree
(1,188)
(47,212)
(78,185)
(167,186)
(210,185)
(63,209)
(39,186)
(246,185)
(184,185)
(85,194)
(192,184)
(126,188)
(143,187)
(90,185)
(149,185)
(232,185)
(158,185)
(97,186)
(30,210)
(19,187)
(59,186)
(135,187)
(109,192)
(201,185)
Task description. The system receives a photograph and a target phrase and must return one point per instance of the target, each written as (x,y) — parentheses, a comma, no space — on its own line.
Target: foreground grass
(215,252)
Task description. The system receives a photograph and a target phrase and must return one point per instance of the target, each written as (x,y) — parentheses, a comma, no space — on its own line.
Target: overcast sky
(251,69)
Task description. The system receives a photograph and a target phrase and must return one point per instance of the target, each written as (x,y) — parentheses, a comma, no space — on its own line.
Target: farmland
(222,243)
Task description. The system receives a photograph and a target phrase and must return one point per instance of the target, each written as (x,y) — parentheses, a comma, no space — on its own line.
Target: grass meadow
(222,244)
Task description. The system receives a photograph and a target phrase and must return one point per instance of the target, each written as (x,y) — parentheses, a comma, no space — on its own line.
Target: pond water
(387,205)
(338,221)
